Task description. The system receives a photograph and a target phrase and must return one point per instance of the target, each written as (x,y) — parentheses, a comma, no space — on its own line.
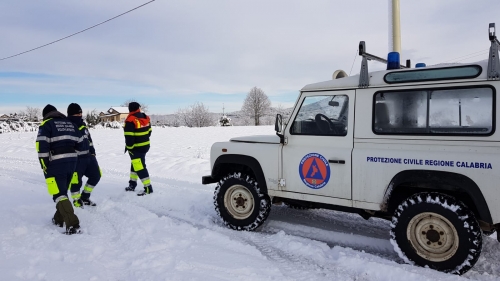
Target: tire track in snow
(303,224)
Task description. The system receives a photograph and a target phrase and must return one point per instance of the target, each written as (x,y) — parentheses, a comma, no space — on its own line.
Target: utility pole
(395,26)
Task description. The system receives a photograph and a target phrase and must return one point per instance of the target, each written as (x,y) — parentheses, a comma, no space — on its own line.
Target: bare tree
(32,113)
(183,117)
(256,105)
(196,115)
(144,107)
(201,115)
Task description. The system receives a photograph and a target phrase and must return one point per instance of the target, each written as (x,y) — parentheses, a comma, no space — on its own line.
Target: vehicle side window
(455,111)
(322,116)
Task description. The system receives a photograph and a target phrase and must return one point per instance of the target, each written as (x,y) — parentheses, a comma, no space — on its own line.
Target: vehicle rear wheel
(438,231)
(240,203)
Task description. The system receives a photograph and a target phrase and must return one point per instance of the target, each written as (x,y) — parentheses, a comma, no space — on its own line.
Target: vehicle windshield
(322,115)
(326,105)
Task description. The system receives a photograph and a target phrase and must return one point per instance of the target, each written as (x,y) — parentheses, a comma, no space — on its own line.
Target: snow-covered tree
(224,121)
(92,118)
(256,105)
(196,115)
(33,113)
(144,107)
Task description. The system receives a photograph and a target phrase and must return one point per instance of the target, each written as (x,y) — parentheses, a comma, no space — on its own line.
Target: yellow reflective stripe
(138,144)
(43,122)
(134,176)
(76,195)
(100,171)
(74,179)
(88,189)
(146,182)
(143,133)
(52,186)
(81,127)
(137,164)
(37,147)
(142,143)
(139,133)
(43,163)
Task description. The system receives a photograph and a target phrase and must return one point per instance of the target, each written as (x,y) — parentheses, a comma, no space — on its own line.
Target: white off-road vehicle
(418,147)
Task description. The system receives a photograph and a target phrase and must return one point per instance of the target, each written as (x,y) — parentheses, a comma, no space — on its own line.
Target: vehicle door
(316,159)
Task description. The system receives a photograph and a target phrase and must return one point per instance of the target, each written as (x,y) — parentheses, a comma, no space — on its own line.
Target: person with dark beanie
(87,163)
(57,143)
(137,133)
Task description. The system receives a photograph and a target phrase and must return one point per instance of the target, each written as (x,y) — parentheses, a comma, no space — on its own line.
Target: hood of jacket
(54,114)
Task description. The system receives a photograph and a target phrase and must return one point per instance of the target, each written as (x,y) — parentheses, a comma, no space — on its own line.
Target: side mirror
(278,127)
(333,103)
(278,124)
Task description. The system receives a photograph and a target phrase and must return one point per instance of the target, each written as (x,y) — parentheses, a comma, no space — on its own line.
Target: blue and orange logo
(314,170)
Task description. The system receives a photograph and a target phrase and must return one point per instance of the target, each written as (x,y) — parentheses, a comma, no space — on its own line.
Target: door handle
(336,161)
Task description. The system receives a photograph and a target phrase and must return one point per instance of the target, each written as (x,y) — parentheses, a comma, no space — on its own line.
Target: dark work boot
(58,219)
(78,203)
(147,190)
(73,230)
(65,208)
(88,202)
(131,186)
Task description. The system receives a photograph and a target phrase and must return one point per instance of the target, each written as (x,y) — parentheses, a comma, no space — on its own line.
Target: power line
(482,54)
(355,55)
(466,56)
(78,31)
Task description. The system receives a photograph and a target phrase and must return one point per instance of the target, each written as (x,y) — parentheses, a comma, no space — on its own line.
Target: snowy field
(174,234)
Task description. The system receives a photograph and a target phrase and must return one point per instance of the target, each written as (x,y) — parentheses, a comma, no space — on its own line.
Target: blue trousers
(58,177)
(86,166)
(138,171)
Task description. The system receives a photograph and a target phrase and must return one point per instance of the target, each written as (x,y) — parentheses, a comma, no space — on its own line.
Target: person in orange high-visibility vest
(137,132)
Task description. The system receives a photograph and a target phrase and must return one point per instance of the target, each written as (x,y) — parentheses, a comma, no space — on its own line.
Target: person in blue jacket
(57,143)
(87,163)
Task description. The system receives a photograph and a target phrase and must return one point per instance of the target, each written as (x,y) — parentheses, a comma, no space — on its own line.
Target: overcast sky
(171,54)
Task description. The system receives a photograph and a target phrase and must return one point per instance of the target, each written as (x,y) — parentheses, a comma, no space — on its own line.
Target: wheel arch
(408,182)
(237,162)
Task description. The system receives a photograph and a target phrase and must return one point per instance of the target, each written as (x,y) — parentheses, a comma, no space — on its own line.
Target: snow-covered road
(175,233)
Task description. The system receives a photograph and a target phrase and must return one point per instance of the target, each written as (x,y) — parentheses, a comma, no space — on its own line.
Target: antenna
(394,26)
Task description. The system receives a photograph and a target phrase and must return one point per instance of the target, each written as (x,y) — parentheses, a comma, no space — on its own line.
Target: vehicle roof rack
(364,77)
(493,60)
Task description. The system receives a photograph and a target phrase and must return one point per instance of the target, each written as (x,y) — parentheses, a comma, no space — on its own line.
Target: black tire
(240,203)
(438,231)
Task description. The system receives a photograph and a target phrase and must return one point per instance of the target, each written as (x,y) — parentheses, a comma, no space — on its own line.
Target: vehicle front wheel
(438,231)
(240,203)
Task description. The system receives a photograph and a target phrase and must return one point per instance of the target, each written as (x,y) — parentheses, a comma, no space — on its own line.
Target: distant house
(4,117)
(115,113)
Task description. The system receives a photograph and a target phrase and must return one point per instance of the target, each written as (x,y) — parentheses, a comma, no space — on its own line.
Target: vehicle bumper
(208,180)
